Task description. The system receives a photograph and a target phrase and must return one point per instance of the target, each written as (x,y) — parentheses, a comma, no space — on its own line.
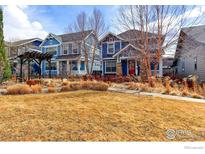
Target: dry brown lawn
(98,116)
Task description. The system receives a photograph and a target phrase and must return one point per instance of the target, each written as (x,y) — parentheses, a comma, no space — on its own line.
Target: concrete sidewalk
(135,92)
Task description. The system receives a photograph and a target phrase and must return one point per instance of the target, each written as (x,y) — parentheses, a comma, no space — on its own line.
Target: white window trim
(113,48)
(53,47)
(68,52)
(64,48)
(106,67)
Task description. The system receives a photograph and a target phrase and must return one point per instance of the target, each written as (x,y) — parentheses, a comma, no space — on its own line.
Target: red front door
(131,67)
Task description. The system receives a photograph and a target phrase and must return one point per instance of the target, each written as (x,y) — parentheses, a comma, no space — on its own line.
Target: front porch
(127,62)
(68,67)
(128,67)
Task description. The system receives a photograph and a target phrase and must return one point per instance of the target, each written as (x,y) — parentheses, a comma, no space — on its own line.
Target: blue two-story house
(68,53)
(121,54)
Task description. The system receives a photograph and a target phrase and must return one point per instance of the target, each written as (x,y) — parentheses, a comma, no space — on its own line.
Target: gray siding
(188,54)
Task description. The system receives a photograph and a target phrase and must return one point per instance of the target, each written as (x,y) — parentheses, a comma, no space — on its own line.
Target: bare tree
(97,24)
(159,26)
(81,25)
(169,22)
(84,23)
(139,18)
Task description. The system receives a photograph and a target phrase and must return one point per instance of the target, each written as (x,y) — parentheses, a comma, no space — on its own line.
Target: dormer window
(110,49)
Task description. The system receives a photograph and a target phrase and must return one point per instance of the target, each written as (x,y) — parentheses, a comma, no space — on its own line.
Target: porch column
(136,66)
(29,69)
(49,66)
(119,68)
(39,69)
(57,67)
(68,67)
(21,70)
(78,64)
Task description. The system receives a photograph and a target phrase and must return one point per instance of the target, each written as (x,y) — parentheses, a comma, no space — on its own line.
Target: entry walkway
(135,92)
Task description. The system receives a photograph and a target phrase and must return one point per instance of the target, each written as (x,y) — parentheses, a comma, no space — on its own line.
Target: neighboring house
(19,47)
(121,55)
(190,53)
(68,53)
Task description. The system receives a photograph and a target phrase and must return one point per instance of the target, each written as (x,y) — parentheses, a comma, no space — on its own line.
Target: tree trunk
(93,57)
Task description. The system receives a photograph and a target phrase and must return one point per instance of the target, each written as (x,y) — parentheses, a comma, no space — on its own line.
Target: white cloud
(18,26)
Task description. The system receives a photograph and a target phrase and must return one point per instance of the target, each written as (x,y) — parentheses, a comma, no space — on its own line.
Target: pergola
(36,56)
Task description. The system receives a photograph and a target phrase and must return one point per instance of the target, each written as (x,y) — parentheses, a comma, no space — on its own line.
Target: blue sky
(28,21)
(22,22)
(56,18)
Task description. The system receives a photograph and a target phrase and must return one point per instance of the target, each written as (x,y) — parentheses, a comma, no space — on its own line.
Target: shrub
(64,82)
(101,86)
(51,89)
(89,85)
(75,85)
(36,88)
(19,89)
(195,95)
(167,85)
(66,88)
(185,90)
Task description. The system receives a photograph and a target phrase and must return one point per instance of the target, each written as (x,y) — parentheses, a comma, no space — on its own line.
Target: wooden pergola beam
(38,58)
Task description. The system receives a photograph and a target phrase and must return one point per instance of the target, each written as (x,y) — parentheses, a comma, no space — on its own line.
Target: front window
(52,50)
(53,66)
(74,65)
(110,66)
(195,63)
(110,48)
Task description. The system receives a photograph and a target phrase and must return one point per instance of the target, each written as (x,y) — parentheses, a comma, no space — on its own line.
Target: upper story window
(79,47)
(70,48)
(110,49)
(195,63)
(65,49)
(52,49)
(75,51)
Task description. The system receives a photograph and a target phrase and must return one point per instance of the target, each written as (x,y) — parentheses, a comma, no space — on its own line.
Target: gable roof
(110,33)
(133,34)
(195,34)
(129,45)
(22,42)
(72,37)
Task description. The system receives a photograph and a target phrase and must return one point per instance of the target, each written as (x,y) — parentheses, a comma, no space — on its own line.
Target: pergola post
(49,65)
(38,58)
(29,69)
(21,69)
(39,69)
